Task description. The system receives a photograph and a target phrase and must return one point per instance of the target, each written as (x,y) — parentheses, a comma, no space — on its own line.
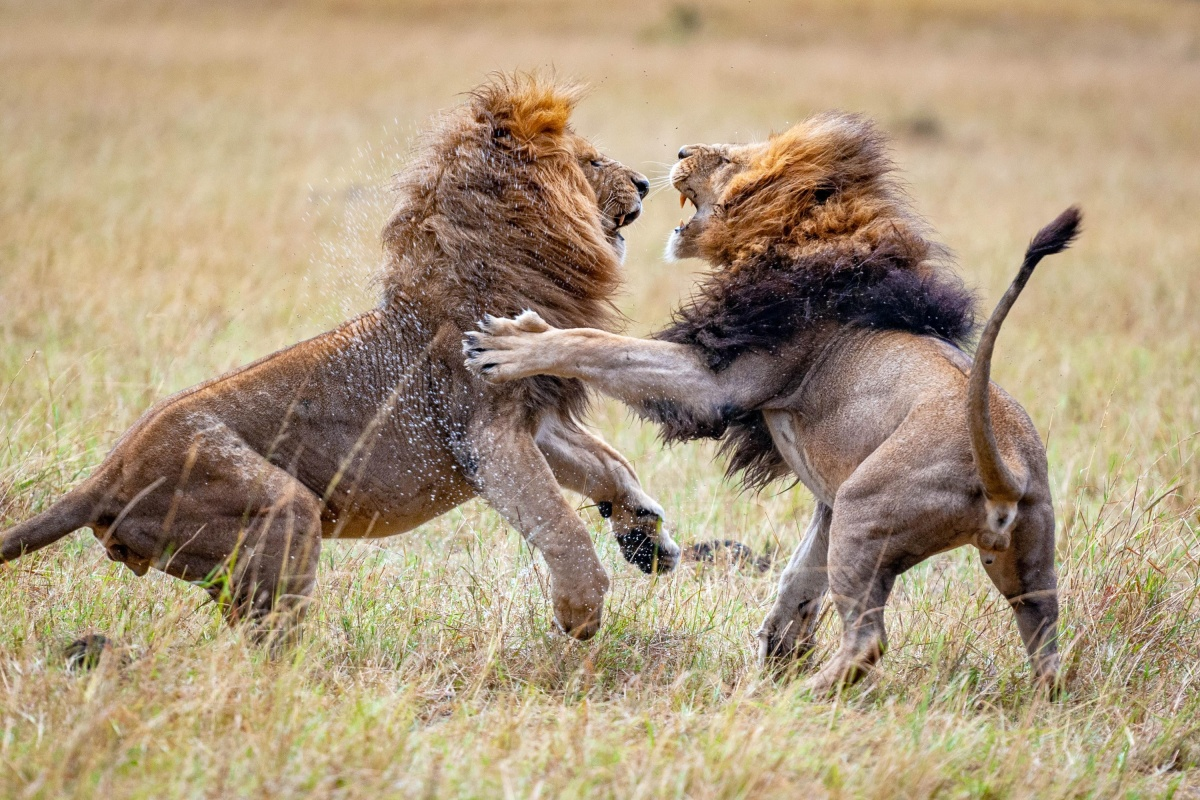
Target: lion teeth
(681,222)
(682,200)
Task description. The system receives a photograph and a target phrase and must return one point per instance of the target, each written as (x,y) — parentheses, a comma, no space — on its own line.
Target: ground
(185,187)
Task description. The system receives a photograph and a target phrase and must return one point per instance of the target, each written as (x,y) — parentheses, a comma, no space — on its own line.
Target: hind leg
(885,521)
(861,575)
(271,573)
(225,518)
(787,632)
(1025,575)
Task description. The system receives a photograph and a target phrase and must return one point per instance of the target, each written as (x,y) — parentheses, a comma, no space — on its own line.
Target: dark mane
(764,304)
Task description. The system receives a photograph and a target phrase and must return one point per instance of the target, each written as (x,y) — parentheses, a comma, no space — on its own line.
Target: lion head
(505,207)
(806,228)
(827,180)
(619,193)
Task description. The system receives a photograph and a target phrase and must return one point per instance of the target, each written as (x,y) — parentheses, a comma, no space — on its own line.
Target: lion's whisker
(655,191)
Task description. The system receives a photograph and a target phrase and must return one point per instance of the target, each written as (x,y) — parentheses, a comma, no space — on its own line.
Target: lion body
(376,427)
(825,345)
(347,414)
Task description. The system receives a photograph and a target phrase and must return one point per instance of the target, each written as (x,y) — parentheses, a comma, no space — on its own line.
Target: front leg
(659,379)
(787,632)
(511,474)
(585,463)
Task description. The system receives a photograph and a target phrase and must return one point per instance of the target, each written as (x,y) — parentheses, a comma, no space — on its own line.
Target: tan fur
(375,427)
(873,421)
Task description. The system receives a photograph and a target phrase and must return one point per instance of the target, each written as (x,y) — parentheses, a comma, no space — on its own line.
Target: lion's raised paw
(494,352)
(525,322)
(480,360)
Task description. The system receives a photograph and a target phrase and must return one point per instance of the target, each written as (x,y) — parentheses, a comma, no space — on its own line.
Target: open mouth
(683,201)
(622,220)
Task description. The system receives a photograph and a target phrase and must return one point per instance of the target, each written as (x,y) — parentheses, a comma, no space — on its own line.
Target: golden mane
(495,215)
(826,182)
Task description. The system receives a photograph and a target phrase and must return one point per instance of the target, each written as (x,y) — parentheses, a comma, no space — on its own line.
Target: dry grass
(183,190)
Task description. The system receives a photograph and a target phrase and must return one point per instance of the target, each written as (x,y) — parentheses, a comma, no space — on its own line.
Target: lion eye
(499,133)
(597,163)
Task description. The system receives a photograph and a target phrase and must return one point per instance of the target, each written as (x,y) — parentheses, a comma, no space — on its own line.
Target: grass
(184,188)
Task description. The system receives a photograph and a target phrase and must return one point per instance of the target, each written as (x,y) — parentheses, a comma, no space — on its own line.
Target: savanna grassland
(186,187)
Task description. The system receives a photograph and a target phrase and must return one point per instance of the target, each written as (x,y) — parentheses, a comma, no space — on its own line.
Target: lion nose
(642,185)
(684,152)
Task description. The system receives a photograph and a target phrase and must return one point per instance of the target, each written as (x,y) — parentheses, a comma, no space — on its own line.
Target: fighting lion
(826,344)
(376,427)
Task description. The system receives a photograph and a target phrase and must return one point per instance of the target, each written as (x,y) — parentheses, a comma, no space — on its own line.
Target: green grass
(182,190)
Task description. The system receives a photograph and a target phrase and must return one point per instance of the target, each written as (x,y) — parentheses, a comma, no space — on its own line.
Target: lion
(376,427)
(826,345)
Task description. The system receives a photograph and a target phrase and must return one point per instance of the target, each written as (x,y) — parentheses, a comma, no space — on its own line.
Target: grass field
(185,187)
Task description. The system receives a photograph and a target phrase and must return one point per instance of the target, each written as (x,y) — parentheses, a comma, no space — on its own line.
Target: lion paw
(780,650)
(822,685)
(579,602)
(528,321)
(644,541)
(501,349)
(785,639)
(842,671)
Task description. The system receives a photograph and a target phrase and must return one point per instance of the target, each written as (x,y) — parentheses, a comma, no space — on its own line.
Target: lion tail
(1002,489)
(72,512)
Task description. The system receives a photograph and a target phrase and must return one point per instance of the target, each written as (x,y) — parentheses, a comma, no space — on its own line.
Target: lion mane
(816,233)
(499,176)
(495,215)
